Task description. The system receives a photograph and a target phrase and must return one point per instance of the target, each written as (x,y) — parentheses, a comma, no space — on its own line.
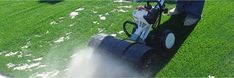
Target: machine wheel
(147,68)
(167,39)
(147,64)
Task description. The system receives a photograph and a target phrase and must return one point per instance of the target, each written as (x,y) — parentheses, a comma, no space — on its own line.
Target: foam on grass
(125,6)
(102,17)
(23,54)
(210,76)
(49,74)
(57,21)
(61,39)
(107,13)
(29,65)
(26,66)
(47,32)
(114,35)
(73,14)
(121,1)
(120,10)
(53,23)
(79,9)
(28,44)
(94,11)
(71,25)
(95,22)
(38,59)
(19,54)
(10,65)
(11,53)
(120,32)
(100,30)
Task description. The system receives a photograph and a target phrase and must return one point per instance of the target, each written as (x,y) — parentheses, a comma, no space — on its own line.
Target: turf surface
(27,29)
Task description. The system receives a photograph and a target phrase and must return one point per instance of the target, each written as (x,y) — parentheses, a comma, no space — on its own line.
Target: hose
(125,29)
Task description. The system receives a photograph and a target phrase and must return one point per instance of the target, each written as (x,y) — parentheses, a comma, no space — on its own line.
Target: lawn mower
(140,43)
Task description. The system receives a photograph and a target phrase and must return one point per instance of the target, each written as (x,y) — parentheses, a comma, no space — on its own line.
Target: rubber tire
(163,39)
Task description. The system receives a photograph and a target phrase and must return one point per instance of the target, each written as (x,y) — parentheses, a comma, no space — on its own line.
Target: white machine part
(144,27)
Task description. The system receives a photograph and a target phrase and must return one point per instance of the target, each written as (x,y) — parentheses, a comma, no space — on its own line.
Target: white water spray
(85,64)
(1,76)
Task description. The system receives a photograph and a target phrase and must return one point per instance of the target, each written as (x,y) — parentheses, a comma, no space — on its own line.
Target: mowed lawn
(39,38)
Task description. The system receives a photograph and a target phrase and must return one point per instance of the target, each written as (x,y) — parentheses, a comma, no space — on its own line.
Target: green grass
(208,50)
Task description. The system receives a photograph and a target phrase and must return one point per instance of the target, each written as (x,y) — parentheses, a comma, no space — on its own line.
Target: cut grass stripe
(29,31)
(15,9)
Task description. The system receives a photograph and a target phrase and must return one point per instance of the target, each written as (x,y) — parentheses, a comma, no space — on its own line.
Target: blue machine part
(136,52)
(126,50)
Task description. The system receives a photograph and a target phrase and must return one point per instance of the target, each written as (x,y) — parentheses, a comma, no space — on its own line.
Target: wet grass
(208,50)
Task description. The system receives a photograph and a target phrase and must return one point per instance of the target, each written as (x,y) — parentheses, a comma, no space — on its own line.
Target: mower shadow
(50,1)
(175,24)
